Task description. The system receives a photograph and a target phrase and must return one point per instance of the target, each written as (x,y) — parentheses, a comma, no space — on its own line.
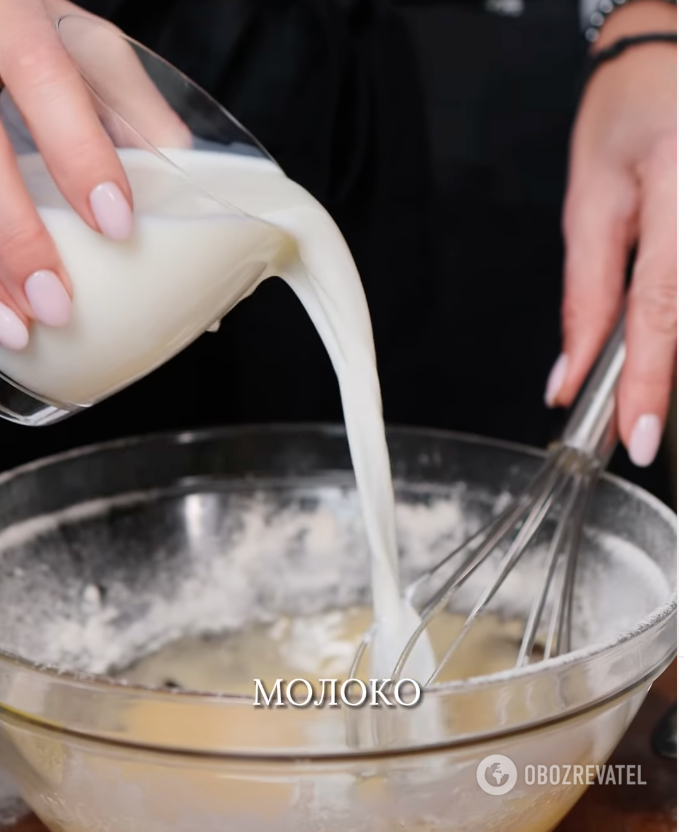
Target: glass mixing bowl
(107,553)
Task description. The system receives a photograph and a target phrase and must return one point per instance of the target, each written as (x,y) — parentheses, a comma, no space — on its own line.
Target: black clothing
(436,134)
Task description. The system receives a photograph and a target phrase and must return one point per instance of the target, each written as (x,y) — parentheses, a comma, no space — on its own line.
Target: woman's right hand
(49,92)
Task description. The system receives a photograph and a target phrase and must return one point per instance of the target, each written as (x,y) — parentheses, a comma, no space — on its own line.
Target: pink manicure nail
(645,440)
(556,379)
(13,334)
(49,299)
(112,212)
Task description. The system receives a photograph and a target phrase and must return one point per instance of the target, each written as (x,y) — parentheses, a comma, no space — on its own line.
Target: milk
(203,241)
(138,303)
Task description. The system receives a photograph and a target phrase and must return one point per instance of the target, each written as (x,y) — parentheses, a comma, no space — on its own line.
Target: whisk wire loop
(558,496)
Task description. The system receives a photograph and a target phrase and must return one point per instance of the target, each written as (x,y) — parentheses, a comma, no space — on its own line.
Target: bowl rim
(94,684)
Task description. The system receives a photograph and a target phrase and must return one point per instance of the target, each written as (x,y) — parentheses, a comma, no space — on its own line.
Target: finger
(131,97)
(130,103)
(651,338)
(56,106)
(33,283)
(599,229)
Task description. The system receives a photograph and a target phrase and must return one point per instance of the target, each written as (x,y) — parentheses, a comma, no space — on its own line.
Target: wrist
(636,18)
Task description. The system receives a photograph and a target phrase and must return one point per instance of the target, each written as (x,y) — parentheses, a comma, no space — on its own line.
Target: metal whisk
(559,494)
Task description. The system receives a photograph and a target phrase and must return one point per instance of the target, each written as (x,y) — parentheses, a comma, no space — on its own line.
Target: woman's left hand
(622,193)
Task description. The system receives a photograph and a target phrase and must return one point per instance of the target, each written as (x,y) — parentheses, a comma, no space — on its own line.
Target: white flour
(251,558)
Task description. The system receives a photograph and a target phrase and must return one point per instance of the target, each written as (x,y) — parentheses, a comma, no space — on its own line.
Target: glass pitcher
(128,318)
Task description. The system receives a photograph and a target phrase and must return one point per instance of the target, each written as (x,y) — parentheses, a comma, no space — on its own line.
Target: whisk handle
(591,426)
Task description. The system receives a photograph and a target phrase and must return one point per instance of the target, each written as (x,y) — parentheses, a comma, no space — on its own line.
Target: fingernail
(49,299)
(112,212)
(645,440)
(13,333)
(556,379)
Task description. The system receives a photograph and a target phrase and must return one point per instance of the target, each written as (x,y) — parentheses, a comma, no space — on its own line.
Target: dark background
(436,134)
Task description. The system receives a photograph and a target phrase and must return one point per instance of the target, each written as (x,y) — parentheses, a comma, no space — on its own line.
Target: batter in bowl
(312,648)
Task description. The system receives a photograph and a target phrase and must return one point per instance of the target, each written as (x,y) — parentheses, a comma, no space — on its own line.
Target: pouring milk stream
(191,259)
